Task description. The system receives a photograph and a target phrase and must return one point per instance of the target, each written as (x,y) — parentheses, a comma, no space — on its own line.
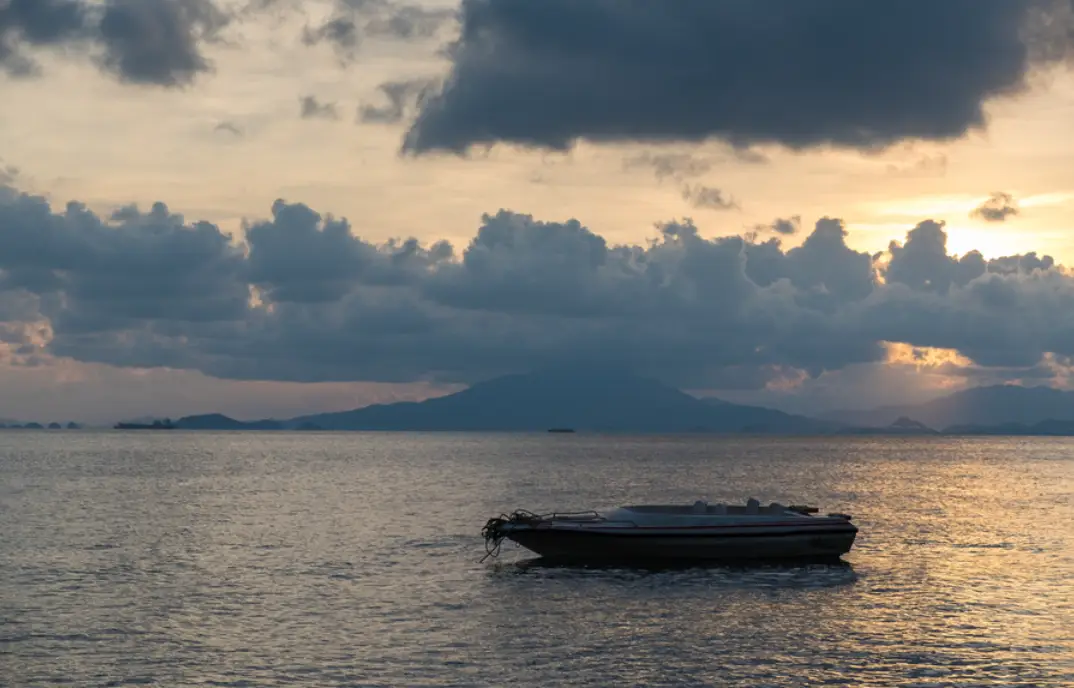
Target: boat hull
(581,545)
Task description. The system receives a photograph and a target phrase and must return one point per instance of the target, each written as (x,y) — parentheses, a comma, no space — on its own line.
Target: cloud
(678,166)
(229,127)
(141,42)
(999,207)
(305,298)
(861,75)
(681,167)
(708,197)
(925,166)
(311,108)
(300,256)
(37,23)
(784,226)
(400,96)
(92,274)
(923,264)
(158,42)
(8,173)
(355,20)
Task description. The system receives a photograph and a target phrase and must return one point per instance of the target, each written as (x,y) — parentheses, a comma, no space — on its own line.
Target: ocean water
(233,559)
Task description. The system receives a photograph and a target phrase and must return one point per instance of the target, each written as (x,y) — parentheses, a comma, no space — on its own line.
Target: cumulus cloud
(999,207)
(305,298)
(158,41)
(144,42)
(37,23)
(800,74)
(93,274)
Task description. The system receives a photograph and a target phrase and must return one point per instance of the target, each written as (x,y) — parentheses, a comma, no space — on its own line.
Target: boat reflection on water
(756,575)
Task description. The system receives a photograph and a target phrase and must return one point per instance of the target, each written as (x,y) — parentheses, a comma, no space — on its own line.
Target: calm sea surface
(182,559)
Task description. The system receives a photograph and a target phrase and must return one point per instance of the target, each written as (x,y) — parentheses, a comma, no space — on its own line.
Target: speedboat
(698,532)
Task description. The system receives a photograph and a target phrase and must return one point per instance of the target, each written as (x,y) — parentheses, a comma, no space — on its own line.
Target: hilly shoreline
(616,402)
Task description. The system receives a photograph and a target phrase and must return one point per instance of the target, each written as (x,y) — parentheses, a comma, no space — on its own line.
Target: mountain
(978,406)
(585,399)
(218,421)
(901,426)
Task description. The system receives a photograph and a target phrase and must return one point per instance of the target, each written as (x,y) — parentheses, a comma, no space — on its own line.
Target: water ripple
(330,560)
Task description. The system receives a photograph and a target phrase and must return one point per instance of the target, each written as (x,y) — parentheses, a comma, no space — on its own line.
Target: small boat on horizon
(155,425)
(697,533)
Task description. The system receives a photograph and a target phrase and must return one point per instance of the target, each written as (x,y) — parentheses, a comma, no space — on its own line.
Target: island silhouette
(611,400)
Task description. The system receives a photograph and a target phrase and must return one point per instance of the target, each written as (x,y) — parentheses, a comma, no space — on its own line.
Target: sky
(271,207)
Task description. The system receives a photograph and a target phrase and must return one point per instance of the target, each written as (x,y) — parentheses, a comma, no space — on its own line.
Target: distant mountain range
(582,399)
(978,406)
(600,400)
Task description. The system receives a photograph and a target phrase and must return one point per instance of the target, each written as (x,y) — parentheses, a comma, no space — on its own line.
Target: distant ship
(560,429)
(155,425)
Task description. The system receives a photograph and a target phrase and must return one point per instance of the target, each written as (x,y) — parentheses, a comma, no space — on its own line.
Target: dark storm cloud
(306,298)
(130,268)
(158,41)
(801,74)
(144,42)
(37,23)
(311,108)
(999,207)
(300,256)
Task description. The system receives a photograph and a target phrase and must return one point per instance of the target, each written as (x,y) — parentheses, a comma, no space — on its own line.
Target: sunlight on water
(321,559)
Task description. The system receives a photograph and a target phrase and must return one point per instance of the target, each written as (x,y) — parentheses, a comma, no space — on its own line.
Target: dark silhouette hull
(566,545)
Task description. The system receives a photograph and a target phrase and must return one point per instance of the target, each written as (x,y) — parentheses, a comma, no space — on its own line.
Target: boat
(155,425)
(701,532)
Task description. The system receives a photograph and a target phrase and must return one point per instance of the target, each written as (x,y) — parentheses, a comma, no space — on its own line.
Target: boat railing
(573,516)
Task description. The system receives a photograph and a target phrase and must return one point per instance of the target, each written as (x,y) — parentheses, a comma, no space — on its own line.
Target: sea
(353,559)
